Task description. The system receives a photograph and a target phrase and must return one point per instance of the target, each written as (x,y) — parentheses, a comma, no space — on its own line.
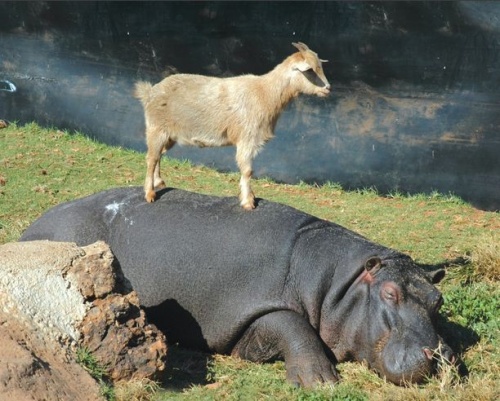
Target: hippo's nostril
(450,357)
(443,354)
(429,354)
(447,355)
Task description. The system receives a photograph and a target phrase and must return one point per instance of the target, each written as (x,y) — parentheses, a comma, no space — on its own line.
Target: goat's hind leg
(156,146)
(244,161)
(152,159)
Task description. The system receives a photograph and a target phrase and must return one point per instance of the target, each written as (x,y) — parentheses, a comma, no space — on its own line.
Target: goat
(242,111)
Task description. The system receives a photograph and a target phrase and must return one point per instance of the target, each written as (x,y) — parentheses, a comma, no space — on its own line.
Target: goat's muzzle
(324,91)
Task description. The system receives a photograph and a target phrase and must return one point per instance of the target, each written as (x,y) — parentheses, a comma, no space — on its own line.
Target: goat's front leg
(157,180)
(244,160)
(156,148)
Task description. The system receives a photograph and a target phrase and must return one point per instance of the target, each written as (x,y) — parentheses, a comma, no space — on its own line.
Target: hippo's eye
(390,292)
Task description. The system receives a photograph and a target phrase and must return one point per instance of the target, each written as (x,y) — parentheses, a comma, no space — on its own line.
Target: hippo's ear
(373,265)
(436,275)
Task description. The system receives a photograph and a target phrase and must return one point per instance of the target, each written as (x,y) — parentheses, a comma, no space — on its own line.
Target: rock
(115,331)
(67,297)
(35,287)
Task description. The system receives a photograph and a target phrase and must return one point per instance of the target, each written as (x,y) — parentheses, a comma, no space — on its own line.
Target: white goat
(209,111)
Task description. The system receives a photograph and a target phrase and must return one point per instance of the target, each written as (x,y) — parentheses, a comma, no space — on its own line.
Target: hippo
(274,283)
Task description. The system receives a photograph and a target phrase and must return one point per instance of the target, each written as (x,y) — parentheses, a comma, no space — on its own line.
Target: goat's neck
(280,90)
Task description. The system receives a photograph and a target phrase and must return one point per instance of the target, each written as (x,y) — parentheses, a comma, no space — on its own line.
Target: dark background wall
(414,107)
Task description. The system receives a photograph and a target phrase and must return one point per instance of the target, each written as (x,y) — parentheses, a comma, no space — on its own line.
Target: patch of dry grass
(135,390)
(485,257)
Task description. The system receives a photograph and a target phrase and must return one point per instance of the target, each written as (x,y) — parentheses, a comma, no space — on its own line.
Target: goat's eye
(389,294)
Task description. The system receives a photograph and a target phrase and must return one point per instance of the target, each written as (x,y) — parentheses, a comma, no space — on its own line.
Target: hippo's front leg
(288,335)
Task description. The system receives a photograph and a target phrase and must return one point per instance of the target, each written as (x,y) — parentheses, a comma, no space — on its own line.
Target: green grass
(40,168)
(85,358)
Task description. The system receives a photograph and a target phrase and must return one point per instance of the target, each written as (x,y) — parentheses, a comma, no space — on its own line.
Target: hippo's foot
(288,335)
(150,196)
(311,370)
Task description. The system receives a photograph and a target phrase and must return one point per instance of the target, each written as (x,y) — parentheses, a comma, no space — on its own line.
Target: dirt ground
(31,369)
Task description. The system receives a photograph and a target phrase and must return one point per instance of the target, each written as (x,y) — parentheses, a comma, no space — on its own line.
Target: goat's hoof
(248,206)
(150,196)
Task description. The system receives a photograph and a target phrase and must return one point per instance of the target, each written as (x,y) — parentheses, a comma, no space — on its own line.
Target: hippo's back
(84,220)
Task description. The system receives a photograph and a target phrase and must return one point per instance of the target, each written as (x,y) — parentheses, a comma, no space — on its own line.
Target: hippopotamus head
(395,305)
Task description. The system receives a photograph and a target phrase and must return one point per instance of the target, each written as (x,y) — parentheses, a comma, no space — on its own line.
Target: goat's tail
(142,91)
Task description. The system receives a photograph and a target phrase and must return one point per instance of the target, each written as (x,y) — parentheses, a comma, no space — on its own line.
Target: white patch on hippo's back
(112,210)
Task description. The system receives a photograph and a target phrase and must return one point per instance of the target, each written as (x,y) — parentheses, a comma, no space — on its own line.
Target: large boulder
(59,297)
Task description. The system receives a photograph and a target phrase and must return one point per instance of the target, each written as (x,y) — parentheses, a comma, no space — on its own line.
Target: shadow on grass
(185,368)
(459,338)
(446,264)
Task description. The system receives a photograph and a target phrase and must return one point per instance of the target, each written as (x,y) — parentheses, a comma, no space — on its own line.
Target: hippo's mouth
(414,366)
(415,375)
(402,367)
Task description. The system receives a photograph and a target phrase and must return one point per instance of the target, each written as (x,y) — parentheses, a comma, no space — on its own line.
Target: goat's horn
(301,46)
(323,61)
